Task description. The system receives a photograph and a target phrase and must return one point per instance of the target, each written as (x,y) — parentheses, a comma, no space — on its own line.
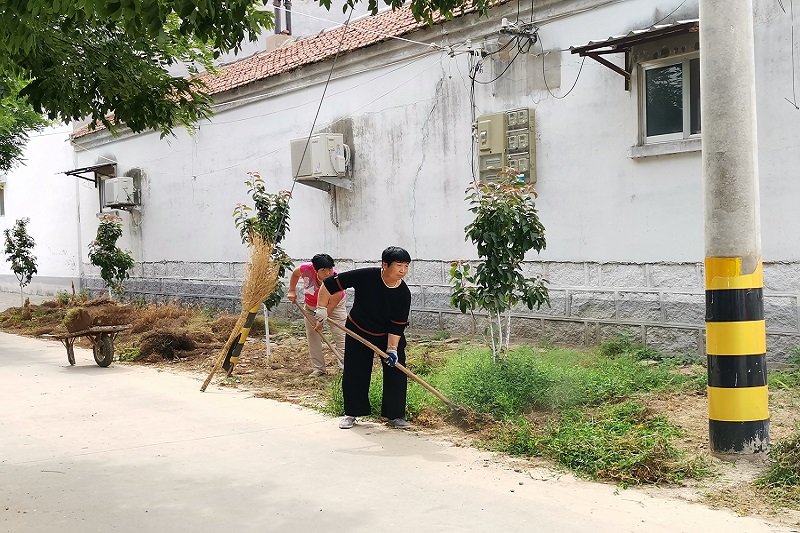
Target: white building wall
(37,190)
(625,235)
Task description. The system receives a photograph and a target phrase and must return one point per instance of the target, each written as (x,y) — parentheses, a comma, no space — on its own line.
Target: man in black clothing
(380,312)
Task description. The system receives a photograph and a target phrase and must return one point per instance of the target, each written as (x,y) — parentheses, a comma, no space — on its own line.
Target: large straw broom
(260,279)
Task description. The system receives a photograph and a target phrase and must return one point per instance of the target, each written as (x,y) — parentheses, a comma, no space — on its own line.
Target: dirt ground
(190,340)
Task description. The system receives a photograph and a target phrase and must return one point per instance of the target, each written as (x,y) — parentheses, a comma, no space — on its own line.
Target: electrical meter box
(119,192)
(321,161)
(506,139)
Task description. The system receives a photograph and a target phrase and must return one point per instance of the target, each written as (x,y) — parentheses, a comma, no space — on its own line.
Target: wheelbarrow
(102,338)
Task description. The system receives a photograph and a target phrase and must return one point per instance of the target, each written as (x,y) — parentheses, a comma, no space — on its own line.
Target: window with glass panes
(670,94)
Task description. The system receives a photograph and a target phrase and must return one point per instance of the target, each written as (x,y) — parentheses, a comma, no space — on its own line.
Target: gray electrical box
(506,139)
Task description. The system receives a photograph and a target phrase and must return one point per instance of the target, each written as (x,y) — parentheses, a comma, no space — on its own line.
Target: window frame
(642,68)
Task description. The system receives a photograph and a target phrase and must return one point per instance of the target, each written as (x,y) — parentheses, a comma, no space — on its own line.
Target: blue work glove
(392,360)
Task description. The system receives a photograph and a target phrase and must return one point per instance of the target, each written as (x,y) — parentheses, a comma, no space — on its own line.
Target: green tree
(87,58)
(17,120)
(19,252)
(505,228)
(271,221)
(421,9)
(114,264)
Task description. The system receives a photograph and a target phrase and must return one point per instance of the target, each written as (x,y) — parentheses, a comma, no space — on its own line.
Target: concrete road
(132,449)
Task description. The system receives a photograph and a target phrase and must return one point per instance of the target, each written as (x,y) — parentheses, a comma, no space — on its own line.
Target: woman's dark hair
(321,261)
(395,254)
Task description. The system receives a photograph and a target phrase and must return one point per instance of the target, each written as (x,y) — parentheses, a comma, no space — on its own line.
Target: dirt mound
(164,345)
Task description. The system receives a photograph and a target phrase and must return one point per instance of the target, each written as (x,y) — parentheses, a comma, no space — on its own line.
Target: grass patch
(590,425)
(129,353)
(624,443)
(552,380)
(787,378)
(782,480)
(417,397)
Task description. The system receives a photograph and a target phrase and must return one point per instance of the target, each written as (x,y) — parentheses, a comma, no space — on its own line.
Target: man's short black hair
(395,254)
(321,261)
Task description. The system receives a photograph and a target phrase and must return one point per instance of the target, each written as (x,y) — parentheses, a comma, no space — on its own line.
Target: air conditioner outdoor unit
(3,178)
(325,161)
(119,191)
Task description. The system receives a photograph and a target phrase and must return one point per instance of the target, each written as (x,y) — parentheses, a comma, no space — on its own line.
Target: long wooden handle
(311,318)
(402,368)
(224,352)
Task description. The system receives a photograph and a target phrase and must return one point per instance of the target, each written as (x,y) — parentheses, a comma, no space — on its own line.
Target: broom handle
(224,352)
(402,368)
(217,364)
(331,346)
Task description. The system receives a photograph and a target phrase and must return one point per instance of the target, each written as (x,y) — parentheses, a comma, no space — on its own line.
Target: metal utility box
(118,192)
(325,162)
(506,139)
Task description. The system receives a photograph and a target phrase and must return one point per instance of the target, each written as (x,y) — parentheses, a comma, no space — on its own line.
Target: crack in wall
(425,135)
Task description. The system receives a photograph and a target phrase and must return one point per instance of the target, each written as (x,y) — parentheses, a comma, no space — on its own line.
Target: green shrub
(63,297)
(547,381)
(624,344)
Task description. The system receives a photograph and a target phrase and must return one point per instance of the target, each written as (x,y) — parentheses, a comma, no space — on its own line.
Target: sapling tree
(505,228)
(270,220)
(114,263)
(19,252)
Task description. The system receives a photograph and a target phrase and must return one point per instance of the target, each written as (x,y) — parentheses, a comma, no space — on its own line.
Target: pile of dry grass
(164,344)
(161,316)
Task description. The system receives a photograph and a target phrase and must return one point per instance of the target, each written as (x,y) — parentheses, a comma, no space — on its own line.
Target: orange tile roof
(359,34)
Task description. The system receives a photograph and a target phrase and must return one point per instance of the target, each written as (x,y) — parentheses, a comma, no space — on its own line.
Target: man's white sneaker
(347,422)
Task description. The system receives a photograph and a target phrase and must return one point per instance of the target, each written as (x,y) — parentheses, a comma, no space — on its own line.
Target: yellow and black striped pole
(232,357)
(738,416)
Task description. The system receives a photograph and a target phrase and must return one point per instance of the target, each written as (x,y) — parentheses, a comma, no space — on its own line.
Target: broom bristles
(260,280)
(261,274)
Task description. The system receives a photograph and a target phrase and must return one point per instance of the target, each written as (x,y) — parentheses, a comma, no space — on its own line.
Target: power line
(544,76)
(324,90)
(669,14)
(402,64)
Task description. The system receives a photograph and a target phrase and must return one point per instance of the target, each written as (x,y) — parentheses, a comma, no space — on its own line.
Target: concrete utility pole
(735,328)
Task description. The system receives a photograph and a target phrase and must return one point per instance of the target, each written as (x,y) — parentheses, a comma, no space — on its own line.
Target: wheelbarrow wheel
(104,350)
